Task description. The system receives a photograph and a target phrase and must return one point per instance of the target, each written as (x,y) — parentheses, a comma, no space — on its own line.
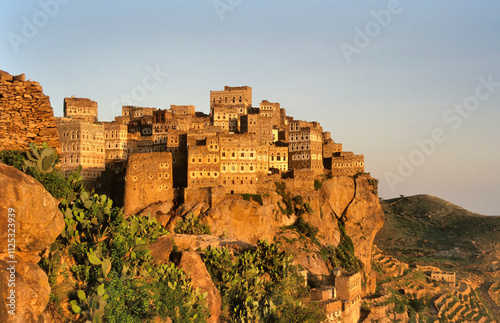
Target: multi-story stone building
(82,138)
(226,118)
(135,112)
(81,109)
(258,125)
(305,146)
(203,161)
(161,115)
(148,180)
(82,144)
(278,157)
(238,98)
(272,111)
(345,163)
(241,158)
(349,288)
(115,141)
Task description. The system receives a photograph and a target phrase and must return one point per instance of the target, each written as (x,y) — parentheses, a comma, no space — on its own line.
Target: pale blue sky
(395,90)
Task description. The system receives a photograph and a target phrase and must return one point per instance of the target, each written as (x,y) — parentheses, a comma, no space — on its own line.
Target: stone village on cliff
(181,155)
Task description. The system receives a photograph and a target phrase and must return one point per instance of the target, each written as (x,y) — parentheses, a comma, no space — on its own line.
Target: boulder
(194,267)
(161,211)
(38,222)
(161,249)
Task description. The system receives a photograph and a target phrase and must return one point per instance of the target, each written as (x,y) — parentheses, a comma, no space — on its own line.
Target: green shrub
(256,197)
(191,225)
(280,186)
(305,228)
(317,184)
(13,158)
(299,200)
(111,272)
(40,166)
(260,286)
(343,255)
(286,198)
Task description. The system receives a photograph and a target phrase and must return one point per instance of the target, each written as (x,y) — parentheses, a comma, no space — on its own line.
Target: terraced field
(462,305)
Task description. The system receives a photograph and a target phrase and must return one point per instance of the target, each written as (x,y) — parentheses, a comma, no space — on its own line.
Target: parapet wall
(25,114)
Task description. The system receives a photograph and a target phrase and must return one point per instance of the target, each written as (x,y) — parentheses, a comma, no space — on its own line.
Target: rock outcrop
(189,242)
(34,224)
(195,269)
(345,199)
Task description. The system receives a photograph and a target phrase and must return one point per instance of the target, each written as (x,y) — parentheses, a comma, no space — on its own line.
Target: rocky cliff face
(29,222)
(339,198)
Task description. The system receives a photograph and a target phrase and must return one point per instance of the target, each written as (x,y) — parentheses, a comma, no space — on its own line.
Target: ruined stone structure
(148,180)
(447,277)
(25,114)
(186,110)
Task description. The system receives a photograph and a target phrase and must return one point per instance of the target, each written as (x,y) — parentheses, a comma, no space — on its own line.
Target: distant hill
(427,229)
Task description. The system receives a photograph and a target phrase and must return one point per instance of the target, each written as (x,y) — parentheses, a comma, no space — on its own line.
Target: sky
(412,85)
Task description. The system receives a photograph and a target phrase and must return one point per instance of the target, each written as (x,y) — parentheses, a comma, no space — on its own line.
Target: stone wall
(25,114)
